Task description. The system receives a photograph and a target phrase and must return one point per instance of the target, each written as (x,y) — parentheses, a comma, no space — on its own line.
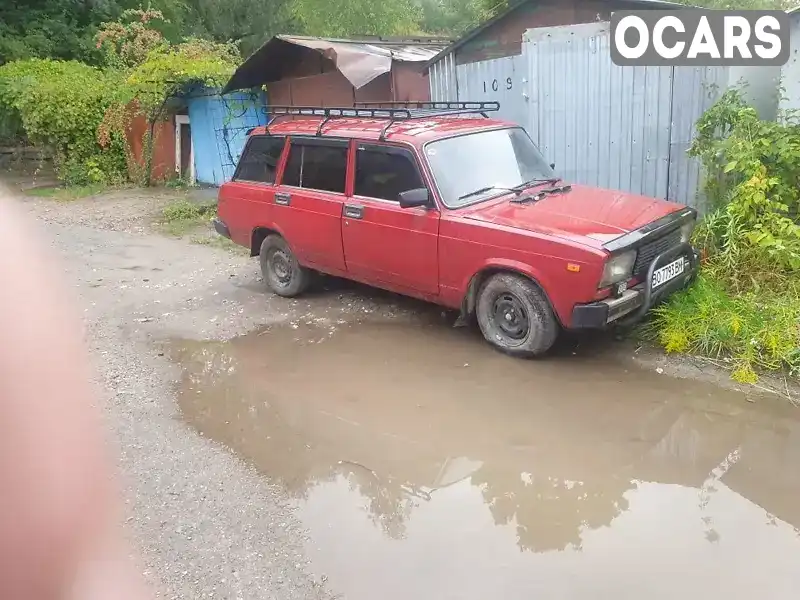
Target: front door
(383,243)
(309,201)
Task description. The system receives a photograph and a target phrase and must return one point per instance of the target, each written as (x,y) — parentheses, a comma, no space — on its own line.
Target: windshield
(488,162)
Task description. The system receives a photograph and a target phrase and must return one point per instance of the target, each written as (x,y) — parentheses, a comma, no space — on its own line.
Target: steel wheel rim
(511,317)
(280,266)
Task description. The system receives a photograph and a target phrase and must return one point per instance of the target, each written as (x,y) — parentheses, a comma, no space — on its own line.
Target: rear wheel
(280,269)
(515,316)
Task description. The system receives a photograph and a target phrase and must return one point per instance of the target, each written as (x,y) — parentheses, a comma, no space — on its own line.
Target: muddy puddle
(426,465)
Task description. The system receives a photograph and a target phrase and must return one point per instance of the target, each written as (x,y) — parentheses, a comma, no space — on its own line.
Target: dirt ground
(354,444)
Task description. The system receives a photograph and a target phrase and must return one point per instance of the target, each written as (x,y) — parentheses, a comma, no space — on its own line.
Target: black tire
(280,269)
(515,316)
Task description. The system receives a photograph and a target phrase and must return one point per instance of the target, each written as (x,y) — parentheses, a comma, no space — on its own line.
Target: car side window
(385,171)
(259,161)
(316,165)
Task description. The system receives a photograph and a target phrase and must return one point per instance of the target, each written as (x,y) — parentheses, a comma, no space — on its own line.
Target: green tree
(127,42)
(450,17)
(495,7)
(50,28)
(247,22)
(65,29)
(351,18)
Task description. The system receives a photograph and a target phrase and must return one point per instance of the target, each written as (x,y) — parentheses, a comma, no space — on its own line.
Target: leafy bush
(746,303)
(752,329)
(752,171)
(60,105)
(171,71)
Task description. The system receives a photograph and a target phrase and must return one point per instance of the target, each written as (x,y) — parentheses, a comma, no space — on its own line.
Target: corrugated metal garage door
(624,128)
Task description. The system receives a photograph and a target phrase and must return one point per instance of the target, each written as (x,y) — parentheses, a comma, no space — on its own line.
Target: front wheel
(515,316)
(280,269)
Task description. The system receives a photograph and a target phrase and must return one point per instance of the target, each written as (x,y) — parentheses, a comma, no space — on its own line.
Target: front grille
(652,249)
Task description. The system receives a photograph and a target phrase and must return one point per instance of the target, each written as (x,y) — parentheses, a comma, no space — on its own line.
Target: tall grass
(754,330)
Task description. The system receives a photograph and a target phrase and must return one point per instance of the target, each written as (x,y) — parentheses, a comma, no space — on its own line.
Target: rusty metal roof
(359,60)
(400,49)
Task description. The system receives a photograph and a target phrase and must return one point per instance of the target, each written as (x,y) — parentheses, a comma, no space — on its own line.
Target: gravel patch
(206,524)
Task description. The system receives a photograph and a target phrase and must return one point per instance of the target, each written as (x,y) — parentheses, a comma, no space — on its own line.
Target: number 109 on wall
(495,84)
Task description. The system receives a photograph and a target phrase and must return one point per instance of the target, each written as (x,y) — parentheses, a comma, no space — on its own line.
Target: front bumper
(221,228)
(634,303)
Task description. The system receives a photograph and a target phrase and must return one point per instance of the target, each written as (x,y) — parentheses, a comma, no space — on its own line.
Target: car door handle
(353,211)
(282,198)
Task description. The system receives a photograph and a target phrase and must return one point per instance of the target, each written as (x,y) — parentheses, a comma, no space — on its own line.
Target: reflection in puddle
(426,465)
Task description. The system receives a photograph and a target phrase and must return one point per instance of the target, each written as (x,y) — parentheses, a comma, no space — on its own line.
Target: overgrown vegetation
(746,304)
(155,74)
(60,104)
(66,29)
(183,216)
(83,112)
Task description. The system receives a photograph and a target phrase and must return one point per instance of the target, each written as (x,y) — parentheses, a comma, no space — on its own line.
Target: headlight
(686,231)
(618,268)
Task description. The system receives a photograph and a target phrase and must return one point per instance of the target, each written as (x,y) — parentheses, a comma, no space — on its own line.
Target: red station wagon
(440,202)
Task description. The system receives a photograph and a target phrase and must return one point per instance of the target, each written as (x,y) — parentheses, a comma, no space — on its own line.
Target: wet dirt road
(421,464)
(426,465)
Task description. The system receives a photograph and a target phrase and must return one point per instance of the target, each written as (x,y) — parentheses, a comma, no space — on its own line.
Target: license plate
(669,272)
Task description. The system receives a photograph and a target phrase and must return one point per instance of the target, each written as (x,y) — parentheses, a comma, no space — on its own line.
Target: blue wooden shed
(219,126)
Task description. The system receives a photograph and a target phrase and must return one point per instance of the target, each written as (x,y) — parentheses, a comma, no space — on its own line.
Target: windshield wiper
(483,190)
(541,194)
(517,189)
(549,181)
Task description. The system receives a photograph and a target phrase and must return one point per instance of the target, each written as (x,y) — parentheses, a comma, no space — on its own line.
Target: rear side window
(316,165)
(259,161)
(384,171)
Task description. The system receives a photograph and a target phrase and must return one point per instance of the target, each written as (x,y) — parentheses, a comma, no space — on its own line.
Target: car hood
(588,215)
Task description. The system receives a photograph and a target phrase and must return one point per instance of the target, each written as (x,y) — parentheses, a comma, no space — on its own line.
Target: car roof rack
(391,111)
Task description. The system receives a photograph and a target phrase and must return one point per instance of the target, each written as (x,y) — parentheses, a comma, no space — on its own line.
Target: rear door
(384,243)
(309,201)
(245,202)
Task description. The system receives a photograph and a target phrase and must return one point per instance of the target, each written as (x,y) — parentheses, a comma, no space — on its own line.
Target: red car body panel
(393,245)
(435,254)
(588,215)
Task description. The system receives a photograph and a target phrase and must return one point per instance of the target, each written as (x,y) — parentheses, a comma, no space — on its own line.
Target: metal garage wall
(625,128)
(601,124)
(500,79)
(442,79)
(790,72)
(695,89)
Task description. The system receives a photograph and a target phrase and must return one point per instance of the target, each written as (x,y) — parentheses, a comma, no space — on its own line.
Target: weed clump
(182,216)
(745,306)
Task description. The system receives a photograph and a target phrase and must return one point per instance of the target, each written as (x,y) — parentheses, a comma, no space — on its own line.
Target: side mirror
(414,198)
